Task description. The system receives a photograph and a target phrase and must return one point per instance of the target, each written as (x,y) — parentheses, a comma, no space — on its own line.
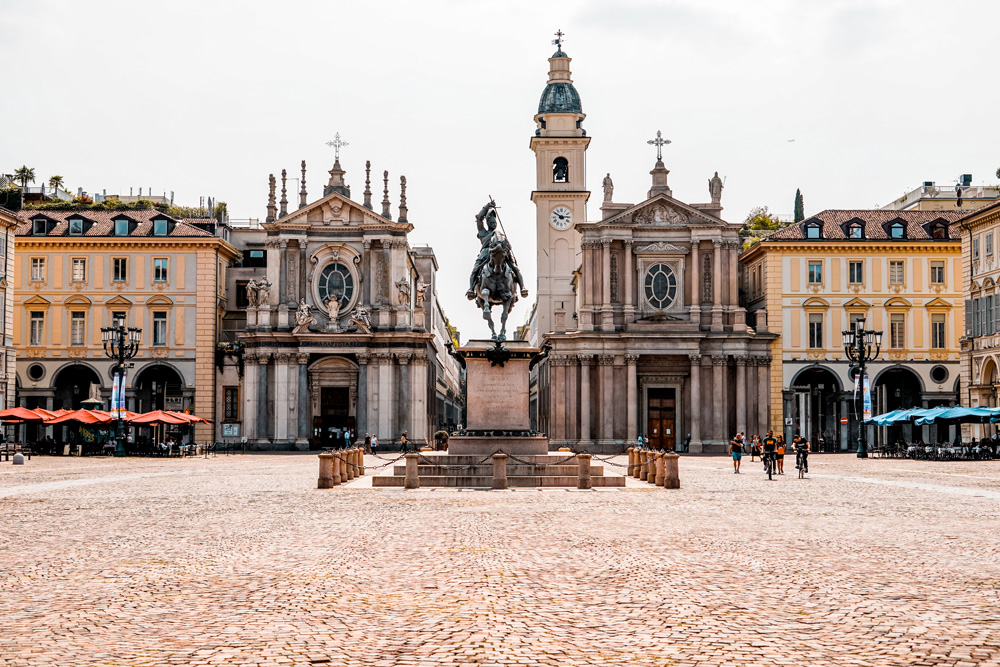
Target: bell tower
(560,195)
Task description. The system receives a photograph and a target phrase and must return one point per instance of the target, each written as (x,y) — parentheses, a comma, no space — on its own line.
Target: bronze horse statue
(496,286)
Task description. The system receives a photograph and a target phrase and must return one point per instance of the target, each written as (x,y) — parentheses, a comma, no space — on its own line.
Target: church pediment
(336,210)
(660,211)
(662,247)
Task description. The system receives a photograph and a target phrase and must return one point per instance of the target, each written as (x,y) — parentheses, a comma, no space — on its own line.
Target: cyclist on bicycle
(801,448)
(770,448)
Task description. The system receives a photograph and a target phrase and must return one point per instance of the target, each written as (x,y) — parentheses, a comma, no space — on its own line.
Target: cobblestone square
(242,561)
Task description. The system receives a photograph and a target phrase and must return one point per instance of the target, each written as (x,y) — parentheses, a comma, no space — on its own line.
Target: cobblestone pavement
(241,561)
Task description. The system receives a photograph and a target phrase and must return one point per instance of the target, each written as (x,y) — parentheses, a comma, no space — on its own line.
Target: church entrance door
(661,407)
(334,420)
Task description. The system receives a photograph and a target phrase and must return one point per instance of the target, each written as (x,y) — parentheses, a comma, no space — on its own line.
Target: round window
(336,281)
(939,374)
(661,286)
(36,372)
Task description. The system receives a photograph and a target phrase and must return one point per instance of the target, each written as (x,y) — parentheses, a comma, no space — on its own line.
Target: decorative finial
(272,208)
(659,142)
(559,39)
(302,190)
(284,200)
(368,184)
(385,197)
(337,144)
(402,199)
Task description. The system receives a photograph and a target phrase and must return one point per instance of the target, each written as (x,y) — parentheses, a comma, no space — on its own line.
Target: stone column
(741,393)
(764,392)
(385,398)
(845,436)
(739,312)
(281,396)
(403,409)
(632,410)
(366,270)
(250,407)
(421,429)
(628,277)
(606,314)
(558,394)
(374,394)
(262,403)
(696,279)
(303,262)
(305,428)
(585,416)
(694,422)
(717,285)
(362,417)
(572,407)
(720,414)
(606,362)
(283,275)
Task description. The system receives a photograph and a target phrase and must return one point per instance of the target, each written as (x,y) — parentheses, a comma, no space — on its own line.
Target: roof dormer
(812,229)
(938,229)
(895,229)
(41,225)
(162,224)
(854,228)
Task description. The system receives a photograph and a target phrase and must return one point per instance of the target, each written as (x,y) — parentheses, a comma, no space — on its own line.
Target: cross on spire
(558,40)
(337,143)
(659,142)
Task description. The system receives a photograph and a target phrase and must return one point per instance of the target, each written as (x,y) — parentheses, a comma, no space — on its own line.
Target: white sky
(208,98)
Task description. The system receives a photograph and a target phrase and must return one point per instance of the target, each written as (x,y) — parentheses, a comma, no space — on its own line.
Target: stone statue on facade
(257,293)
(421,293)
(332,305)
(715,188)
(361,319)
(495,275)
(403,291)
(609,187)
(303,318)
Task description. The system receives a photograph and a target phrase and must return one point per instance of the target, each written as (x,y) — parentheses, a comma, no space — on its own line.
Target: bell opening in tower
(560,170)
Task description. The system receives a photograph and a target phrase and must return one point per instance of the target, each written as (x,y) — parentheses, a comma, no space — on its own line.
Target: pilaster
(741,393)
(695,419)
(632,403)
(586,360)
(717,285)
(606,364)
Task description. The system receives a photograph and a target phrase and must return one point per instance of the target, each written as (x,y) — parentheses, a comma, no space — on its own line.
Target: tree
(25,174)
(758,222)
(998,173)
(56,182)
(800,213)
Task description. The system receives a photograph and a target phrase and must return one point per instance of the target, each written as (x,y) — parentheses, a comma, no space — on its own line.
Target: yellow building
(8,356)
(76,271)
(901,270)
(980,355)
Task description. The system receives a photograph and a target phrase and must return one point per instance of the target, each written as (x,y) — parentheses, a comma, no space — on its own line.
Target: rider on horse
(487,236)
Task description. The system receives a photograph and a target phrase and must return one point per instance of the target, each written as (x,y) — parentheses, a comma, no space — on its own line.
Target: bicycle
(800,464)
(769,464)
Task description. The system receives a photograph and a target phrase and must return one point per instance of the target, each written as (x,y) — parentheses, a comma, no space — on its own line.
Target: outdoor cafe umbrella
(20,414)
(159,417)
(83,416)
(959,414)
(192,419)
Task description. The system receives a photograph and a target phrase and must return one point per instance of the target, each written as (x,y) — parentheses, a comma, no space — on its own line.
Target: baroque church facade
(343,331)
(641,307)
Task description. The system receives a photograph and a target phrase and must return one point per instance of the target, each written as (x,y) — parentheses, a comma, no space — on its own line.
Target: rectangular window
(38,268)
(897,331)
(121,227)
(75,227)
(118,318)
(989,243)
(255,258)
(816,330)
(160,227)
(853,318)
(120,268)
(896,272)
(79,271)
(937,272)
(856,272)
(159,328)
(160,269)
(815,272)
(975,248)
(37,334)
(241,294)
(231,404)
(938,341)
(38,227)
(78,328)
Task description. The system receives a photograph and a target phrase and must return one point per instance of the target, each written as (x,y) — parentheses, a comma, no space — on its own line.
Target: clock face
(561,218)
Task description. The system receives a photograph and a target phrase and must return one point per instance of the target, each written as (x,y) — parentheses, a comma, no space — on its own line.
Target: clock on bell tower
(560,194)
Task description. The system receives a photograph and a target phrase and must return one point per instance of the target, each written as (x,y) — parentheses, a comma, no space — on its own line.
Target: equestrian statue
(495,277)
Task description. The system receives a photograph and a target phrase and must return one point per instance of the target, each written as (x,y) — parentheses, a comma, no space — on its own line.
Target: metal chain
(465,467)
(532,463)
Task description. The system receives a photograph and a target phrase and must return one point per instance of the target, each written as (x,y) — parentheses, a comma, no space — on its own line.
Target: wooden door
(661,408)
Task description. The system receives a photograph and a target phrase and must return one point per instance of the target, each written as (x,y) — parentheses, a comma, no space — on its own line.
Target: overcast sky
(208,98)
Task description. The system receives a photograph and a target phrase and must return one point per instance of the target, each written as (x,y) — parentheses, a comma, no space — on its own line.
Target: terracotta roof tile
(833,222)
(103,223)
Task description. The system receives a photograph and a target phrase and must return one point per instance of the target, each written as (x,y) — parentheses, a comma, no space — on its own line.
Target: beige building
(980,232)
(962,196)
(641,307)
(901,271)
(8,360)
(76,271)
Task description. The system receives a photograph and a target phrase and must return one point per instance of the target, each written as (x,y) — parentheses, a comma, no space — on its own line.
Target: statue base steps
(436,470)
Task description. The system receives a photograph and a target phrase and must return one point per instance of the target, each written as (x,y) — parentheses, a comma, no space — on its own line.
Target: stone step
(480,481)
(562,458)
(512,471)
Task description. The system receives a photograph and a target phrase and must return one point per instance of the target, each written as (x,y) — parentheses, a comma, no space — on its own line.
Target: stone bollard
(361,461)
(659,468)
(643,464)
(671,474)
(412,480)
(325,472)
(630,471)
(499,471)
(337,478)
(19,459)
(583,480)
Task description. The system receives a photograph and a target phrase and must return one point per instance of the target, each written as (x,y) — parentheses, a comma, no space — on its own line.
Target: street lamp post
(862,345)
(120,344)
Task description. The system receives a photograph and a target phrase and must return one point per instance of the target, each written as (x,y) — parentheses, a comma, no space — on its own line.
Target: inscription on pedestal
(497,396)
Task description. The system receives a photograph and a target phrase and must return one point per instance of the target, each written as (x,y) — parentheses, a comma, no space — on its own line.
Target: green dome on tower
(560,97)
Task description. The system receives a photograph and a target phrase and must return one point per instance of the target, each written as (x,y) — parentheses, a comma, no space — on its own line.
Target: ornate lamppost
(120,344)
(862,345)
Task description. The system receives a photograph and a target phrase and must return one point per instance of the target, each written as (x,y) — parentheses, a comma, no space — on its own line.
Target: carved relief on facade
(614,279)
(706,292)
(381,278)
(659,215)
(662,247)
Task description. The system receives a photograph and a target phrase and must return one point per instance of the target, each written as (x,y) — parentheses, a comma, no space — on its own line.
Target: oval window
(337,281)
(661,286)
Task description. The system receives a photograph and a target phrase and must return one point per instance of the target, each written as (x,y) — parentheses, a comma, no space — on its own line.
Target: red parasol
(160,417)
(190,418)
(20,414)
(84,417)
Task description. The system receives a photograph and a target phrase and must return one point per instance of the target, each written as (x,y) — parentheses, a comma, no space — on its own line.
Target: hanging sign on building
(867,401)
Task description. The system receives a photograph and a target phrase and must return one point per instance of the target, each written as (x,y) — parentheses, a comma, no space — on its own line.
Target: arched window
(560,170)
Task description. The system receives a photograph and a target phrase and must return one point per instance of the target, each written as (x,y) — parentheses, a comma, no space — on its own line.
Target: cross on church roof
(337,143)
(558,40)
(659,142)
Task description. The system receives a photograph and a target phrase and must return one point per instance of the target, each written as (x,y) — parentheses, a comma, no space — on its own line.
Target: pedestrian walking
(781,455)
(374,444)
(404,443)
(368,444)
(754,447)
(736,449)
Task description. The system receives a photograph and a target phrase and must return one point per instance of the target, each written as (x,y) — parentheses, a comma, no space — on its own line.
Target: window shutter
(968,317)
(988,315)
